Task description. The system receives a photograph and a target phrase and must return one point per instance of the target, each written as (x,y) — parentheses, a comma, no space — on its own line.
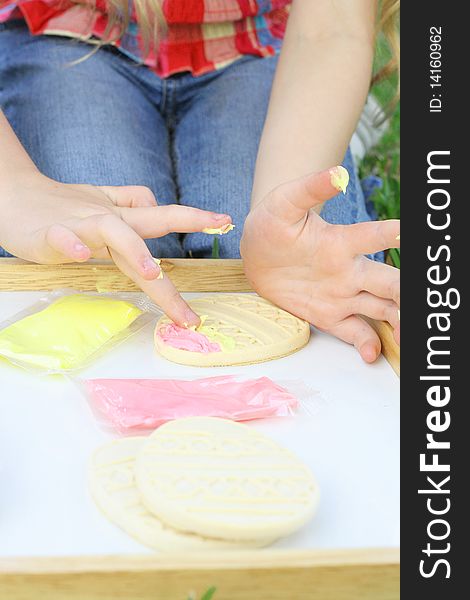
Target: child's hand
(317,271)
(49,222)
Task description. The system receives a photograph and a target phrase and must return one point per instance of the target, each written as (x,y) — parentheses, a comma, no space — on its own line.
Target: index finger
(162,292)
(158,221)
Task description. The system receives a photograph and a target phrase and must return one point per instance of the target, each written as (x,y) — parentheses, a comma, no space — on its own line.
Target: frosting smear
(186,339)
(204,338)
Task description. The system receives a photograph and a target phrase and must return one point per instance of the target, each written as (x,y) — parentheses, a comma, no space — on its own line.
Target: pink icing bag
(130,405)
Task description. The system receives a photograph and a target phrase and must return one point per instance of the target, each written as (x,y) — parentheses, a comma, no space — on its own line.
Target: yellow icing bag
(65,333)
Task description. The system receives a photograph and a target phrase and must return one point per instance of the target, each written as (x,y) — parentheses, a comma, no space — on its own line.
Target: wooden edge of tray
(390,349)
(188,275)
(352,574)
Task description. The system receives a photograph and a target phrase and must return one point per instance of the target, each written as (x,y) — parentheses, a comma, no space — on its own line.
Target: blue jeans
(108,121)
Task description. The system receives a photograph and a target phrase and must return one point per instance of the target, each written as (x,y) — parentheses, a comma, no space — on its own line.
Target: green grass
(384,159)
(208,594)
(215,247)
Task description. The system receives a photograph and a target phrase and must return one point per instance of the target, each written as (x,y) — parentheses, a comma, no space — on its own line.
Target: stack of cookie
(202,483)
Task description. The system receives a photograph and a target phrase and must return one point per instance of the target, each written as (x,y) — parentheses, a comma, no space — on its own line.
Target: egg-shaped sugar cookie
(113,488)
(236,329)
(221,479)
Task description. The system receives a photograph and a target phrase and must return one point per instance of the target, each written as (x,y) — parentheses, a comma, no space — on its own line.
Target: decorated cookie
(221,479)
(235,329)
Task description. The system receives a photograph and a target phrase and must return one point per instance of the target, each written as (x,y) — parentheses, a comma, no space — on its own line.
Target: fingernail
(369,353)
(339,178)
(398,237)
(158,261)
(150,266)
(79,247)
(398,311)
(219,217)
(191,318)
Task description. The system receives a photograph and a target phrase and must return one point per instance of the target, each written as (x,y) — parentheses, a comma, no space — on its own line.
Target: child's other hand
(317,271)
(49,222)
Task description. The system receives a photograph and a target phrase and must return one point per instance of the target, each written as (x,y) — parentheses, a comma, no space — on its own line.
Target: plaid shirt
(202,35)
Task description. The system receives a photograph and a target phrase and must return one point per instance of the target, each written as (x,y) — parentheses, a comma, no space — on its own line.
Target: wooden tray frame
(342,574)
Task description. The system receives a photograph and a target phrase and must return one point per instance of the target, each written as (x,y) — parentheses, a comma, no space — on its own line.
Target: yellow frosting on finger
(339,178)
(158,261)
(219,230)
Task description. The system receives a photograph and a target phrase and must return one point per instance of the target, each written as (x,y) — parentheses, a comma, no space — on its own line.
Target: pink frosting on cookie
(186,339)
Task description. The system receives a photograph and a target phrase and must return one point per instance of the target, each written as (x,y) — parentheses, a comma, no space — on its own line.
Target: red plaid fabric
(202,35)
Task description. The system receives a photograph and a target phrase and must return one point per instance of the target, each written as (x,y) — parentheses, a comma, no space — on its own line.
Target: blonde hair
(149,15)
(387,25)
